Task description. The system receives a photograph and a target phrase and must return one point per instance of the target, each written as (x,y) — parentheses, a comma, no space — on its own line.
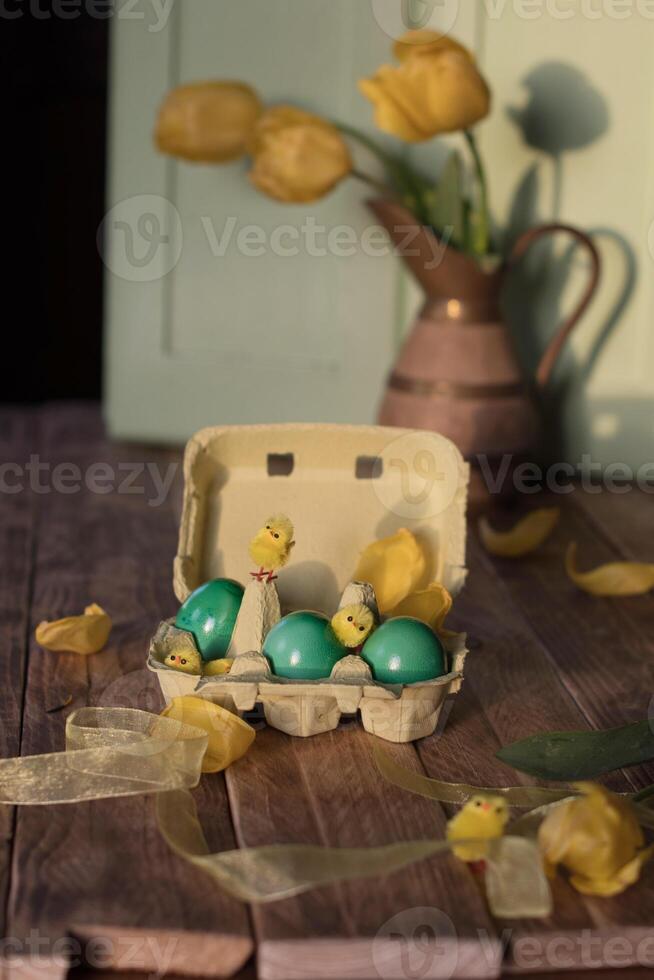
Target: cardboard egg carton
(343,487)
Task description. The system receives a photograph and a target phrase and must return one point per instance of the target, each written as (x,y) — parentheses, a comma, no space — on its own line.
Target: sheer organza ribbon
(114,752)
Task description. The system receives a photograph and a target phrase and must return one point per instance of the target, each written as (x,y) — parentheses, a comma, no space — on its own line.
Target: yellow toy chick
(353,625)
(481,817)
(270,548)
(185,660)
(596,837)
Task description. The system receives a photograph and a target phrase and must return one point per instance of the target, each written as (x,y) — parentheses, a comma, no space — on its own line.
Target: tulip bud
(207,122)
(298,157)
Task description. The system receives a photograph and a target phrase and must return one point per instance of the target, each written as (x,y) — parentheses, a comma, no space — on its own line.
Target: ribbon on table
(115,752)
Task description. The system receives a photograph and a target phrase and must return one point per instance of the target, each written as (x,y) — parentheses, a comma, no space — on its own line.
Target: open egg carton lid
(343,487)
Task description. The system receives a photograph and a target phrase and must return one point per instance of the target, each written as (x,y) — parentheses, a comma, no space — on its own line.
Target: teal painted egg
(303,646)
(403,651)
(210,614)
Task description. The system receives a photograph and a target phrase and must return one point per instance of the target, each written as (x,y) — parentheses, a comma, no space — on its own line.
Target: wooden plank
(101,871)
(513,689)
(17,436)
(603,649)
(326,790)
(625,520)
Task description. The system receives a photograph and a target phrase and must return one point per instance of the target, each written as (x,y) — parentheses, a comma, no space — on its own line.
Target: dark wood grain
(101,871)
(17,527)
(543,656)
(603,649)
(521,689)
(326,790)
(624,520)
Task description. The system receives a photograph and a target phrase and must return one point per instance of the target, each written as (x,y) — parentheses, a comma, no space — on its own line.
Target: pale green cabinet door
(224,306)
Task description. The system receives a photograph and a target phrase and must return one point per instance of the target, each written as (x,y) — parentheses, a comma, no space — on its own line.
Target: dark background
(54,84)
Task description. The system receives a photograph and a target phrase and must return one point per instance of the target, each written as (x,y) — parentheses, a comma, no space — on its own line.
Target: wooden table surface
(97,877)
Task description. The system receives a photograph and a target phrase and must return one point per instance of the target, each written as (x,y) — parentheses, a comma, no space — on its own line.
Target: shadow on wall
(611,429)
(564,113)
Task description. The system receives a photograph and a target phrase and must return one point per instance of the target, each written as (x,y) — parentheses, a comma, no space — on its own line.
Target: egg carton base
(397,713)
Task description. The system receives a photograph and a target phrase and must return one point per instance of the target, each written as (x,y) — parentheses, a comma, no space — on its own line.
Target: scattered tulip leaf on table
(616,578)
(524,537)
(569,756)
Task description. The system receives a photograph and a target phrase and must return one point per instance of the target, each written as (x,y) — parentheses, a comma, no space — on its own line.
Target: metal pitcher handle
(556,344)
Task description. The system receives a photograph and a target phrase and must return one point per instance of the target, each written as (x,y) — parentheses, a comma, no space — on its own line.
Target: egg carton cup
(395,712)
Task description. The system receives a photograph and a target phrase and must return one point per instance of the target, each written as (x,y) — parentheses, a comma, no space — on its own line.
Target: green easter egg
(403,651)
(303,646)
(210,614)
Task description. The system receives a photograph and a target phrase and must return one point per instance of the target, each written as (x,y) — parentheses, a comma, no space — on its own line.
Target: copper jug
(458,373)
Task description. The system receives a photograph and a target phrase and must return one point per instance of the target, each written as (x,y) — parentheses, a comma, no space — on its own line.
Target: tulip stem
(481,221)
(379,185)
(398,173)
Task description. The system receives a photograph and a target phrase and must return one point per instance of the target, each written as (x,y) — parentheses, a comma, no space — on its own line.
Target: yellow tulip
(425,41)
(597,838)
(298,157)
(76,634)
(229,736)
(435,89)
(207,122)
(394,566)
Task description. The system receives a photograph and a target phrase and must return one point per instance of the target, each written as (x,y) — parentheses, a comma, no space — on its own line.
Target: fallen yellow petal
(613,579)
(229,736)
(597,838)
(430,605)
(394,567)
(525,536)
(76,634)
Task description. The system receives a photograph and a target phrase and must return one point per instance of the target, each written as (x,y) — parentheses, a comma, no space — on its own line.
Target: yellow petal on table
(597,838)
(76,634)
(524,537)
(616,578)
(394,567)
(229,736)
(430,605)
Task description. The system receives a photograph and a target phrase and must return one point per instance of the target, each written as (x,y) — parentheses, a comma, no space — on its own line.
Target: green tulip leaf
(570,756)
(447,208)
